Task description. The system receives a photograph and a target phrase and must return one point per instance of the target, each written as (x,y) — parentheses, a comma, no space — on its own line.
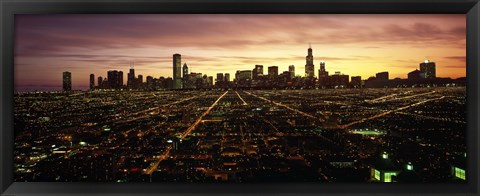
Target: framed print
(160,97)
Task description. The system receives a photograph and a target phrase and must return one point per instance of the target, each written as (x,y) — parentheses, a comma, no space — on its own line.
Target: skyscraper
(227,77)
(428,68)
(243,75)
(338,79)
(322,75)
(185,71)
(177,71)
(115,79)
(120,79)
(92,81)
(291,69)
(131,80)
(272,71)
(382,76)
(67,81)
(219,80)
(322,66)
(210,81)
(356,81)
(140,79)
(243,78)
(112,78)
(100,82)
(219,77)
(309,67)
(149,82)
(257,72)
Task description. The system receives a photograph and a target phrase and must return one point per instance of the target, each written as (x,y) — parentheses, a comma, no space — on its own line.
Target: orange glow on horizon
(356,45)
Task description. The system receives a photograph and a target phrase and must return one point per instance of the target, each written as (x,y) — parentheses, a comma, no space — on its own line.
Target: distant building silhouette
(425,77)
(428,68)
(322,75)
(338,80)
(291,69)
(120,79)
(177,71)
(131,80)
(284,77)
(92,81)
(309,66)
(219,81)
(257,72)
(150,82)
(382,76)
(227,77)
(245,74)
(139,81)
(115,79)
(100,82)
(67,81)
(356,81)
(185,71)
(416,74)
(272,71)
(210,81)
(243,78)
(112,79)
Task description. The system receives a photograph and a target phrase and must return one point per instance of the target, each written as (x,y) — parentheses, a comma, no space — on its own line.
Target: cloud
(459,58)
(455,66)
(48,33)
(95,43)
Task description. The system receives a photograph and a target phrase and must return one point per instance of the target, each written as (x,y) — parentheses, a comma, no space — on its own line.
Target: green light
(388,176)
(83,143)
(377,175)
(385,155)
(409,167)
(460,173)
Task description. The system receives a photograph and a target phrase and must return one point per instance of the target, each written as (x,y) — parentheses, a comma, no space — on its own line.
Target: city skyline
(251,44)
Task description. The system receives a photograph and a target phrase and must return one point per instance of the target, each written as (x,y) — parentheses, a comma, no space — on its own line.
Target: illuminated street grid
(326,135)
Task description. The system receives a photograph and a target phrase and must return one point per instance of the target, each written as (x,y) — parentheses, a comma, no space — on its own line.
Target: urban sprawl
(255,128)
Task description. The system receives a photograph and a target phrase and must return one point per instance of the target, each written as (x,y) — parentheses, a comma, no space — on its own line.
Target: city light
(409,166)
(251,127)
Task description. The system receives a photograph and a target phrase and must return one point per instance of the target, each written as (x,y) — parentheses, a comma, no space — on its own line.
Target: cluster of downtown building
(425,76)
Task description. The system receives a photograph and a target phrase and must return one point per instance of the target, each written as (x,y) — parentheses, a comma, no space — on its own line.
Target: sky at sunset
(356,45)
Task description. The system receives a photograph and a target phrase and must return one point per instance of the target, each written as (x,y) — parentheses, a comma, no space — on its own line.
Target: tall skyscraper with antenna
(309,66)
(131,80)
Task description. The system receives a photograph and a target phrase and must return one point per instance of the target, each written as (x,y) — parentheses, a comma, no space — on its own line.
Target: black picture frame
(8,8)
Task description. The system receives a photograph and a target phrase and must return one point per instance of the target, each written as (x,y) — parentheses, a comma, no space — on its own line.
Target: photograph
(240,98)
